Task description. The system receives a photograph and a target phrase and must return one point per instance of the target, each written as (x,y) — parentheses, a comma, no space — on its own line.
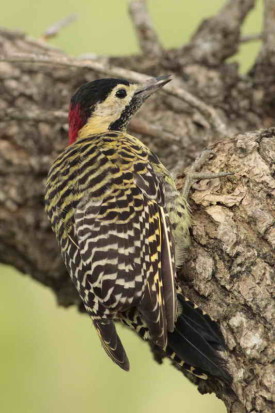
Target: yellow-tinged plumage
(122,227)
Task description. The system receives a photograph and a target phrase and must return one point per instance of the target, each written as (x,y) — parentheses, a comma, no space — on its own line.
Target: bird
(123,228)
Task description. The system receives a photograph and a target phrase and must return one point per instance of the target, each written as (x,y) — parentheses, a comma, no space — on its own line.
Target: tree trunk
(229,266)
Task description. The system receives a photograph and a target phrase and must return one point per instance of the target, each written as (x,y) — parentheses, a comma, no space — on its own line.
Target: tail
(111,342)
(195,342)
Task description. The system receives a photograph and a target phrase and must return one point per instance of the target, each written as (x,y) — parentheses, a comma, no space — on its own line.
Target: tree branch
(147,36)
(207,111)
(263,70)
(247,38)
(54,29)
(229,266)
(52,116)
(136,125)
(269,27)
(218,37)
(266,58)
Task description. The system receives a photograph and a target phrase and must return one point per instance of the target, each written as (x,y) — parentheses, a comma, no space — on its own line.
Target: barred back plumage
(122,227)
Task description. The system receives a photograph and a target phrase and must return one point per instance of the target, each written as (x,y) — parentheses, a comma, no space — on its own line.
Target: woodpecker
(122,227)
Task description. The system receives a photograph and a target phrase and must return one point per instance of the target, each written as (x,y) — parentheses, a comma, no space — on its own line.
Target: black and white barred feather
(118,218)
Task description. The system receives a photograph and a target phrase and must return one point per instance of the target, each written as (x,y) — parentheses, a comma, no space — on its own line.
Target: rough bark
(229,266)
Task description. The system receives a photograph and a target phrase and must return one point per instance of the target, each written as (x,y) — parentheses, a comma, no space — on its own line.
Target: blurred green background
(50,357)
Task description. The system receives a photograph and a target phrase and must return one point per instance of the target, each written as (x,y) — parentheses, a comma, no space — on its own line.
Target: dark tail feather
(207,328)
(195,341)
(111,342)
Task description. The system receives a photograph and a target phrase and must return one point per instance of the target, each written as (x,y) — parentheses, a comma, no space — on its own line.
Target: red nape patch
(76,121)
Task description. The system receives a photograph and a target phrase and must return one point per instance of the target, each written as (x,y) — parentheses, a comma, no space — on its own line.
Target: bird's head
(108,104)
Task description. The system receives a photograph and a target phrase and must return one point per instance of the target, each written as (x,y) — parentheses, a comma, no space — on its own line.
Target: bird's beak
(150,86)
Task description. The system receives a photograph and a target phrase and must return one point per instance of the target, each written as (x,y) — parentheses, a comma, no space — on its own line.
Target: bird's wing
(158,305)
(125,241)
(115,239)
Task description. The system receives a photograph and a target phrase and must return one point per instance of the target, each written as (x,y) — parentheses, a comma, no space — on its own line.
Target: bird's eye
(121,93)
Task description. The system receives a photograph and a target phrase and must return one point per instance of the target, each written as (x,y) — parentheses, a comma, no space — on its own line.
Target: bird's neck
(95,125)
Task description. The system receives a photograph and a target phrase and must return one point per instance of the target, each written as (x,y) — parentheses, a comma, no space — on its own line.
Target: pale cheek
(118,107)
(109,110)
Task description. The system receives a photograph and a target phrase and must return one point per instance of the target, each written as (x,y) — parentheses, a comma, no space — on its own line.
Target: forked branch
(218,37)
